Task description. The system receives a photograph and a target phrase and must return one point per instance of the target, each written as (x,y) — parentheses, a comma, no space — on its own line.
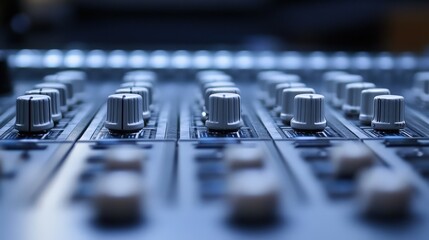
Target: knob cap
(211,91)
(147,85)
(124,113)
(309,112)
(212,76)
(367,103)
(240,158)
(216,84)
(55,100)
(33,114)
(62,89)
(118,197)
(67,82)
(353,97)
(288,102)
(340,83)
(78,79)
(127,158)
(350,158)
(253,196)
(271,86)
(225,112)
(388,112)
(141,76)
(329,81)
(144,93)
(279,93)
(384,193)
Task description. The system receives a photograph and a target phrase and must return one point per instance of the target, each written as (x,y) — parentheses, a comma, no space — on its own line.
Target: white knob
(125,158)
(118,197)
(264,76)
(271,86)
(124,113)
(55,100)
(253,196)
(340,83)
(216,84)
(211,91)
(147,85)
(367,103)
(78,79)
(329,82)
(384,193)
(144,93)
(350,158)
(388,112)
(67,82)
(353,97)
(309,113)
(62,89)
(204,77)
(225,112)
(288,98)
(33,114)
(239,157)
(279,93)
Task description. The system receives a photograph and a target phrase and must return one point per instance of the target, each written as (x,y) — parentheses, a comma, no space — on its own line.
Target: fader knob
(225,112)
(63,93)
(240,158)
(124,113)
(388,112)
(288,101)
(253,196)
(33,114)
(130,158)
(55,100)
(384,193)
(367,103)
(353,97)
(350,158)
(309,112)
(211,91)
(144,93)
(340,83)
(118,197)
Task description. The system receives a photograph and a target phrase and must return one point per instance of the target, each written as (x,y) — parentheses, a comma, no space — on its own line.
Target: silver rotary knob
(212,76)
(309,112)
(421,86)
(144,93)
(68,82)
(55,100)
(388,113)
(225,112)
(147,85)
(62,89)
(124,113)
(287,106)
(141,76)
(273,82)
(33,114)
(367,103)
(211,91)
(353,97)
(279,93)
(339,86)
(216,84)
(77,78)
(329,81)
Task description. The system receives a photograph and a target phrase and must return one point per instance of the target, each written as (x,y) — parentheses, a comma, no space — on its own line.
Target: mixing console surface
(214,145)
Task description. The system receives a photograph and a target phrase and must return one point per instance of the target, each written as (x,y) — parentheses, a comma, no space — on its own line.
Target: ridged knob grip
(353,97)
(124,113)
(68,82)
(339,86)
(147,85)
(62,89)
(55,100)
(279,92)
(367,103)
(309,112)
(211,91)
(144,93)
(33,114)
(273,82)
(288,102)
(225,112)
(388,112)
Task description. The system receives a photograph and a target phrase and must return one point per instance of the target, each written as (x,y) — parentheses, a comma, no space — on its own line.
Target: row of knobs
(129,108)
(221,101)
(295,103)
(374,106)
(41,107)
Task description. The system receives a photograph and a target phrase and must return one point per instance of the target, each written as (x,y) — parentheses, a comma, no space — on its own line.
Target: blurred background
(347,25)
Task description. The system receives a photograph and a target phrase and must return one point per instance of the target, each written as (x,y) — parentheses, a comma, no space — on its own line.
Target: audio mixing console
(213,145)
